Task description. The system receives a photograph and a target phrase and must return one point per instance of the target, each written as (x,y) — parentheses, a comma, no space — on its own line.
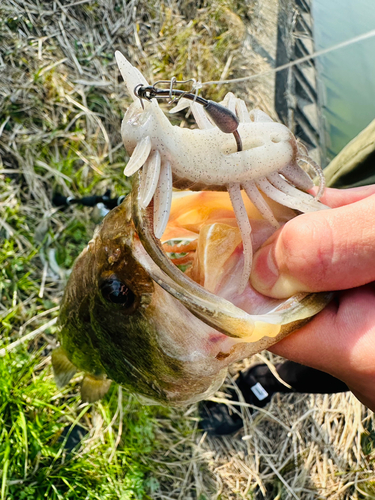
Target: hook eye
(139,94)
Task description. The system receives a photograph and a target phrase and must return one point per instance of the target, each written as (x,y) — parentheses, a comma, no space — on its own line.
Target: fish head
(116,322)
(121,319)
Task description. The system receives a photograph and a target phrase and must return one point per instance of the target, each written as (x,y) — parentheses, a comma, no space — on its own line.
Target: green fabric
(355,164)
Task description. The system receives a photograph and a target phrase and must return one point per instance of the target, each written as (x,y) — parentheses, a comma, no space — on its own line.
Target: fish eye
(115,291)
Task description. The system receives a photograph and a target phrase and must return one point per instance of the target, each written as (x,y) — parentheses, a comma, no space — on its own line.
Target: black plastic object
(58,200)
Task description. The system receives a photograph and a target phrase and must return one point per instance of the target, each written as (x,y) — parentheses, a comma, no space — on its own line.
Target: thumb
(320,251)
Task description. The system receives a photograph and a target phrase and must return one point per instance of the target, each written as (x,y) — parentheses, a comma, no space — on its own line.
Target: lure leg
(285,198)
(298,177)
(150,178)
(140,154)
(163,199)
(285,187)
(245,229)
(260,203)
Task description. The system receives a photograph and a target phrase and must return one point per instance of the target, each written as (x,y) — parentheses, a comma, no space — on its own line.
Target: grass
(36,423)
(61,102)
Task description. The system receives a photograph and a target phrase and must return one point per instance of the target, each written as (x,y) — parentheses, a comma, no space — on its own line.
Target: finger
(339,197)
(320,251)
(340,340)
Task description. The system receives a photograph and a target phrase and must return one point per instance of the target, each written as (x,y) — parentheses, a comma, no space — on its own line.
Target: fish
(164,318)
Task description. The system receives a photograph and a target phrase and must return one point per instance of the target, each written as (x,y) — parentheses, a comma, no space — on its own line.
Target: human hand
(323,251)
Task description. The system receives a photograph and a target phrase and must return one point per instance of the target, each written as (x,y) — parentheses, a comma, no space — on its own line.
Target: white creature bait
(232,149)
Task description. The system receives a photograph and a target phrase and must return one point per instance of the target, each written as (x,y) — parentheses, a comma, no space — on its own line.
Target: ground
(61,102)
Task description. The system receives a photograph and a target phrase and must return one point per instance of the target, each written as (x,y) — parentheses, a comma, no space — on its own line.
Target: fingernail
(267,278)
(265,273)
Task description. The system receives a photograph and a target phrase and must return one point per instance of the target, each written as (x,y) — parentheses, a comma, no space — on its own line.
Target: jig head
(221,116)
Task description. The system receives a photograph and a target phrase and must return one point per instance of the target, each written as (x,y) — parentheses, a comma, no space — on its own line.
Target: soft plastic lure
(264,158)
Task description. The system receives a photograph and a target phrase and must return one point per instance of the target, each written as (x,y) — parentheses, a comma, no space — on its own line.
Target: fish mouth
(263,328)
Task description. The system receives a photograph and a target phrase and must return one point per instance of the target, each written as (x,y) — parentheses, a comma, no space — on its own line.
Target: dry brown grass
(61,101)
(299,447)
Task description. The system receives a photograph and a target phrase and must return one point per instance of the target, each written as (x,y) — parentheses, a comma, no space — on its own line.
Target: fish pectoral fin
(94,388)
(63,369)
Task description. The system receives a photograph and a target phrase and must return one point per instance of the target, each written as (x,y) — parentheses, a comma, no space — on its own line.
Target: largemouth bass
(126,318)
